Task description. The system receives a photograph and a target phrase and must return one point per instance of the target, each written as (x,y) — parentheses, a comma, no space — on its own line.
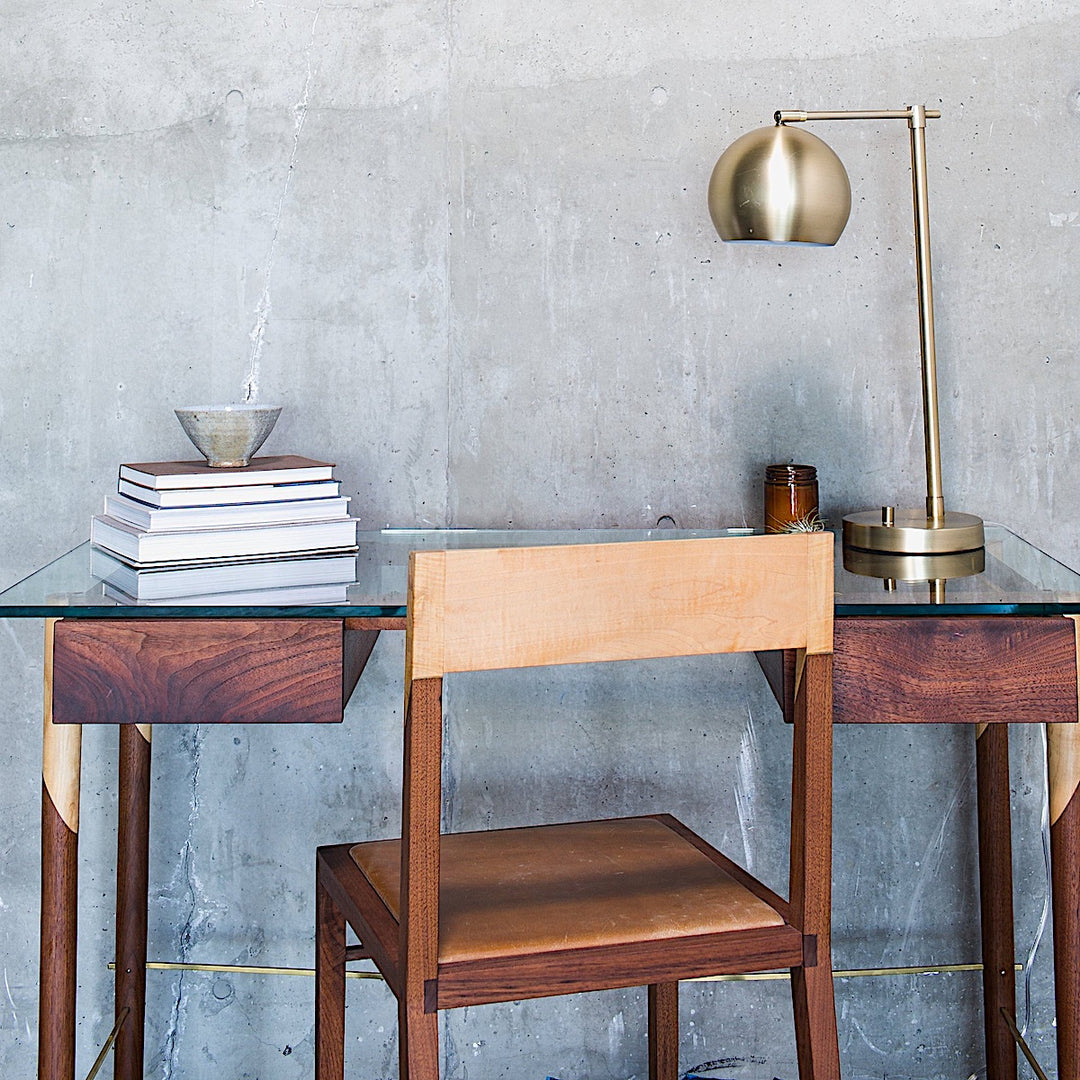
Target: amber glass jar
(791,498)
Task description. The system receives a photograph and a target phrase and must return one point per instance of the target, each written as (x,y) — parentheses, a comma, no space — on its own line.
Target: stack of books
(181,531)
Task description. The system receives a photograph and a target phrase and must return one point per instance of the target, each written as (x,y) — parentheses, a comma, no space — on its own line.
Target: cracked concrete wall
(466,246)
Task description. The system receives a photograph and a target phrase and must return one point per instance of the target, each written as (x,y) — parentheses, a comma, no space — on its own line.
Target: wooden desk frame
(982,670)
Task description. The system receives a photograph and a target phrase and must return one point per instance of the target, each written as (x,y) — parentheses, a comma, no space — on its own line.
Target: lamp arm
(799,116)
(916,116)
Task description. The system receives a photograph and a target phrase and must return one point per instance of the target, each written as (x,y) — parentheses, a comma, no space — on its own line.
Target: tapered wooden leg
(816,1042)
(329,986)
(664,1031)
(418,1041)
(1063,760)
(61,765)
(996,899)
(132,854)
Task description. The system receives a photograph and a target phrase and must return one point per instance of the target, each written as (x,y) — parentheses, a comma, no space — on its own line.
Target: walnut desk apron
(995,648)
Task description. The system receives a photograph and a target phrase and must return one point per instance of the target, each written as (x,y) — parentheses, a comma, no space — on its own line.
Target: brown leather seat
(507,914)
(571,886)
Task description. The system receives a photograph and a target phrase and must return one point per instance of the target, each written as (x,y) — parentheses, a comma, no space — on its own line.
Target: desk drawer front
(197,671)
(994,669)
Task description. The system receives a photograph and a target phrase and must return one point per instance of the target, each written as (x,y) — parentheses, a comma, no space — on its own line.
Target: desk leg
(60,768)
(1063,763)
(995,892)
(132,855)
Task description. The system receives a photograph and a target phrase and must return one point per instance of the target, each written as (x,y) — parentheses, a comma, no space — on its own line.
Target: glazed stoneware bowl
(228,435)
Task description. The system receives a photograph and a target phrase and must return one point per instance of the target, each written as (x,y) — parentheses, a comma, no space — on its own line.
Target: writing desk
(989,649)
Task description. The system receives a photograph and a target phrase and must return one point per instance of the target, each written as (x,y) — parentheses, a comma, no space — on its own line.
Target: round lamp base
(911,532)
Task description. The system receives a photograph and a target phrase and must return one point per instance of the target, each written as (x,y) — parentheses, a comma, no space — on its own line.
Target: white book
(214,517)
(138,546)
(222,575)
(302,595)
(228,496)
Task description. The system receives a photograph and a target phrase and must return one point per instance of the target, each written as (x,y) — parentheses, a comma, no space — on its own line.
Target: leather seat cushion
(573,885)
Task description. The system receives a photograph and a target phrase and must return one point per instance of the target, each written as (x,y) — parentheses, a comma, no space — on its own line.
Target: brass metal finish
(245,969)
(100,1059)
(779,185)
(773,186)
(1010,1023)
(913,533)
(851,973)
(914,568)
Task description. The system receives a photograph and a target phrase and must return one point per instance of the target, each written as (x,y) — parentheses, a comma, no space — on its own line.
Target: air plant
(812,522)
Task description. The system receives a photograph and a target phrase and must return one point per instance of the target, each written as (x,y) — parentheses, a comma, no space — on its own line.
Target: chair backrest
(473,610)
(482,609)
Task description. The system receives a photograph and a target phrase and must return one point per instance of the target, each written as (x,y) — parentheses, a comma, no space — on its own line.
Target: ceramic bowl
(228,435)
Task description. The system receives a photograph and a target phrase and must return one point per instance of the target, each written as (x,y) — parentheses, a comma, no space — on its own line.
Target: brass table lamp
(782,185)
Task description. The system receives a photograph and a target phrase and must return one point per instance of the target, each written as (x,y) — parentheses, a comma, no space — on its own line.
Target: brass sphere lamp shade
(779,185)
(782,185)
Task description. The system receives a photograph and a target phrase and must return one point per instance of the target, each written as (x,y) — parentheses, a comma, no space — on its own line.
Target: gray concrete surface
(466,246)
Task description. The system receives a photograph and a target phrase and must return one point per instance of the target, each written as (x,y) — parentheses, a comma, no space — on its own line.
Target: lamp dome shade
(780,185)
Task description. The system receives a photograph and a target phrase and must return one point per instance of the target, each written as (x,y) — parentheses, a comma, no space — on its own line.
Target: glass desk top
(1018,579)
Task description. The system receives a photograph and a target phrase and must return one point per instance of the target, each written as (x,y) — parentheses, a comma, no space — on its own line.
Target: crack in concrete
(186,873)
(265,304)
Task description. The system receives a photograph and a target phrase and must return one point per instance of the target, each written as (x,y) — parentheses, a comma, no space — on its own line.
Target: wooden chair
(469,918)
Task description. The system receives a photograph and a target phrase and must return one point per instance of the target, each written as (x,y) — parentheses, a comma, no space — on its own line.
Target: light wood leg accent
(61,766)
(1063,753)
(1063,768)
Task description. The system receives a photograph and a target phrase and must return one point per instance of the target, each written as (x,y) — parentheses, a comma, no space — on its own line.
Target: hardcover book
(158,519)
(221,496)
(199,578)
(141,547)
(282,469)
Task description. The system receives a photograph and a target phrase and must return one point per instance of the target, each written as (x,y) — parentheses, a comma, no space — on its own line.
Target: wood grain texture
(1063,766)
(363,909)
(206,671)
(59,922)
(811,871)
(329,983)
(418,1041)
(816,1041)
(572,971)
(473,610)
(811,804)
(996,899)
(61,767)
(965,669)
(132,856)
(663,1031)
(1065,856)
(421,812)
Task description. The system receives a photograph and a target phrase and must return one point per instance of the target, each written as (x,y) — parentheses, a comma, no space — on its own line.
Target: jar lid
(790,474)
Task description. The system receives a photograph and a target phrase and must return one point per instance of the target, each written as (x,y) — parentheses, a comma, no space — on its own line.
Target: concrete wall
(466,245)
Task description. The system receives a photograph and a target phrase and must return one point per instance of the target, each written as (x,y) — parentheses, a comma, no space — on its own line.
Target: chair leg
(664,1031)
(815,1022)
(329,986)
(418,1041)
